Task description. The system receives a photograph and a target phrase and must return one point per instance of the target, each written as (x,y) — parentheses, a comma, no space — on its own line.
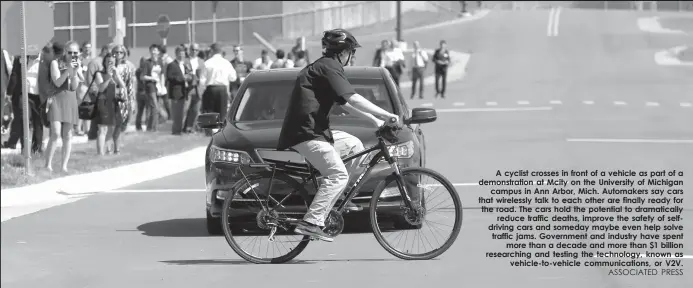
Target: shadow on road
(243,262)
(193,227)
(197,227)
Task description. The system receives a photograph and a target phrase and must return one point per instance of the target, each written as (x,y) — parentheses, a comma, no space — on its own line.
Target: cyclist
(306,126)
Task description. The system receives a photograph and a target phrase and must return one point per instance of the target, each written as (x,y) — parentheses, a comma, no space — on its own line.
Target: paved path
(151,236)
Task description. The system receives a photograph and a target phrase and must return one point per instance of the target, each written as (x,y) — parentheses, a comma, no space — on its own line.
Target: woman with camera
(66,75)
(109,102)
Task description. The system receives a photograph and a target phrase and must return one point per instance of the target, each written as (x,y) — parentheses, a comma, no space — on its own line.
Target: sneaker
(309,229)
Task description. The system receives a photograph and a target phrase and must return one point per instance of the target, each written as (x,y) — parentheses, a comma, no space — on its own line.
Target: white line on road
(427,105)
(588,102)
(684,104)
(494,109)
(652,104)
(458,104)
(619,103)
(660,141)
(554,20)
(522,102)
(203,190)
(555,102)
(491,103)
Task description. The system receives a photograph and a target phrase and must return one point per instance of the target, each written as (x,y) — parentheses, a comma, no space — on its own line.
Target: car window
(269,100)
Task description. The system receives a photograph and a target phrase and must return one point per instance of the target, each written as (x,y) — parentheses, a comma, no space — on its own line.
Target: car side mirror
(208,121)
(422,115)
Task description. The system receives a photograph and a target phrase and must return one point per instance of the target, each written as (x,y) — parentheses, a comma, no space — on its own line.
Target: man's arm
(352,110)
(362,106)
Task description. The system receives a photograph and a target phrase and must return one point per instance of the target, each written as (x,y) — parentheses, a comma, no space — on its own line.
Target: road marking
(427,105)
(588,102)
(491,103)
(685,104)
(554,20)
(203,190)
(458,104)
(652,104)
(522,102)
(619,103)
(660,141)
(494,109)
(555,102)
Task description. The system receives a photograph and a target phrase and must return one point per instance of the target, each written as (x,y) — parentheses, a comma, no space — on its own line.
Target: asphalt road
(158,239)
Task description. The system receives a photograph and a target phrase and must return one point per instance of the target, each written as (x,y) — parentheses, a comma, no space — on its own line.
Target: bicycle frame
(383,153)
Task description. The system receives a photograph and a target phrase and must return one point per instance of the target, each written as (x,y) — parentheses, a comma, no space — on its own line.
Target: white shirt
(194,64)
(218,71)
(391,56)
(420,58)
(32,76)
(258,63)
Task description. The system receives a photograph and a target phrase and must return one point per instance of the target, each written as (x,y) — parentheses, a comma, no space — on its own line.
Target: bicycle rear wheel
(387,207)
(245,221)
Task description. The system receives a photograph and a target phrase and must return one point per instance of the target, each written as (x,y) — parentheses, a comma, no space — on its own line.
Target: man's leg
(36,123)
(444,75)
(17,126)
(327,160)
(347,144)
(193,110)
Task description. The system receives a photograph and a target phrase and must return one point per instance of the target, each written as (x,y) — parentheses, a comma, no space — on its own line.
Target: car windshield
(269,100)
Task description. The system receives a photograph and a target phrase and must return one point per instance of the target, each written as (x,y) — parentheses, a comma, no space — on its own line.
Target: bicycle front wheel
(427,230)
(249,214)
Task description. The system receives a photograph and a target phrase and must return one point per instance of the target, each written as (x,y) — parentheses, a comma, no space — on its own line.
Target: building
(234,21)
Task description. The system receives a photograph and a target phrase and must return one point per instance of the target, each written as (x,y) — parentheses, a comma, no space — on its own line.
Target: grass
(136,147)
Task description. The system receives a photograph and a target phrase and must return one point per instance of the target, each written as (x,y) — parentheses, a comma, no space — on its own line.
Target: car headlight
(217,154)
(401,150)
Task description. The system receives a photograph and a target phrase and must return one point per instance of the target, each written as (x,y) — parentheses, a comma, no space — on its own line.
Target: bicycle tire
(458,215)
(228,233)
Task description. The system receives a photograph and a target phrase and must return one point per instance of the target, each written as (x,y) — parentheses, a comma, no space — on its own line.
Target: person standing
(297,49)
(178,77)
(125,93)
(243,68)
(82,126)
(62,114)
(301,60)
(218,76)
(197,65)
(14,87)
(441,58)
(393,60)
(164,100)
(151,75)
(93,66)
(281,62)
(110,85)
(264,62)
(420,61)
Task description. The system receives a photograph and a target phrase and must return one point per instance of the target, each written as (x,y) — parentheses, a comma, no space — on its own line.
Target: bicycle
(408,206)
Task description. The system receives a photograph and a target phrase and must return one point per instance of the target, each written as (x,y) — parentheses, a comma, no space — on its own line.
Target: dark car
(251,130)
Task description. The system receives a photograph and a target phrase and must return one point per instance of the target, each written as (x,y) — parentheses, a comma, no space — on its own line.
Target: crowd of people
(161,88)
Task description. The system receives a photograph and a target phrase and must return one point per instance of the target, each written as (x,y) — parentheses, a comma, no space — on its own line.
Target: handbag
(87,108)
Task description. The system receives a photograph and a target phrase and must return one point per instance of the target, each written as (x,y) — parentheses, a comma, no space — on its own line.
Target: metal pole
(214,27)
(399,20)
(92,27)
(240,22)
(25,98)
(192,25)
(118,19)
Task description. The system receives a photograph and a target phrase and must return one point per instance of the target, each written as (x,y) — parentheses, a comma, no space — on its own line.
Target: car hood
(247,136)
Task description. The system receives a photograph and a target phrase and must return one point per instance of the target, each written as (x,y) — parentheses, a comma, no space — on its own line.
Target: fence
(233,22)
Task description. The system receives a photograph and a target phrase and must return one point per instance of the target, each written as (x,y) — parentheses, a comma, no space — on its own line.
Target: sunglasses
(73,52)
(118,52)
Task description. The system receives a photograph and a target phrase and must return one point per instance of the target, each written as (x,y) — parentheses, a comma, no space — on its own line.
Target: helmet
(338,40)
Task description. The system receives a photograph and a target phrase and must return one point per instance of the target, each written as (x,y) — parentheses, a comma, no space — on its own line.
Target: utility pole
(92,28)
(399,21)
(119,22)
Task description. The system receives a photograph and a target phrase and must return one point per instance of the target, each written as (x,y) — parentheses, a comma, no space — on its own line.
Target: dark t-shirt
(318,87)
(242,69)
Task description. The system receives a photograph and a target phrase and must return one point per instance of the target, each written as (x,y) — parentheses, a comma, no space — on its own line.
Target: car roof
(360,72)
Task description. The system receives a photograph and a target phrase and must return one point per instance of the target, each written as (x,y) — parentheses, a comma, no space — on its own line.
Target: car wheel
(214,225)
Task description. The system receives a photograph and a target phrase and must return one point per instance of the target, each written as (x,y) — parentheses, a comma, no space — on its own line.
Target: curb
(669,57)
(81,185)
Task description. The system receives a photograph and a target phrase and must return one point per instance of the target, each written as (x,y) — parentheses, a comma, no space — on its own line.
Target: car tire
(214,225)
